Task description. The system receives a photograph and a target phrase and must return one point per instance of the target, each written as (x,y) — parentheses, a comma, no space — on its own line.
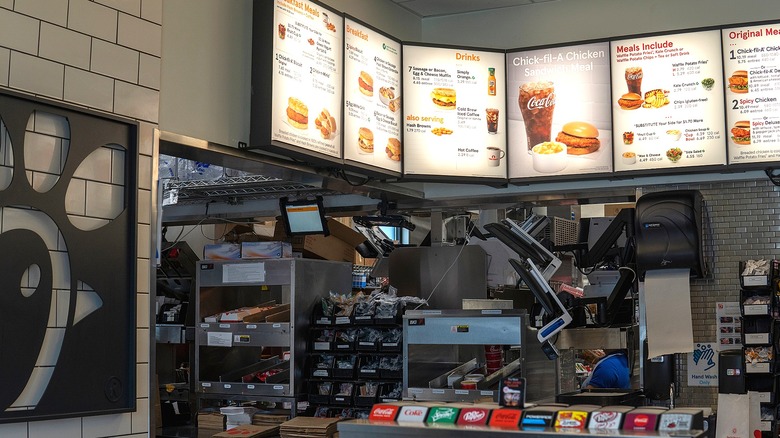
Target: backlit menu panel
(454,111)
(751,60)
(372,98)
(559,113)
(307,77)
(667,94)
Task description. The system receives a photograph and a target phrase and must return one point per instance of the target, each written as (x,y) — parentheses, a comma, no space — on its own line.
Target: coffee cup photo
(494,156)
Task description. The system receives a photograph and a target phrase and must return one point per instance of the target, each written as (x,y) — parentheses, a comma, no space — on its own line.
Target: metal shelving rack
(225,352)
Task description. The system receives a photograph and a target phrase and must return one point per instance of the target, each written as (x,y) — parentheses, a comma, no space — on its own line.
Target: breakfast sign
(667,101)
(558,115)
(454,110)
(751,57)
(307,77)
(372,98)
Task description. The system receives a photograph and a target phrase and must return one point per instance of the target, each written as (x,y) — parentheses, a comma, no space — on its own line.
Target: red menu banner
(454,111)
(307,76)
(559,113)
(751,60)
(667,101)
(372,98)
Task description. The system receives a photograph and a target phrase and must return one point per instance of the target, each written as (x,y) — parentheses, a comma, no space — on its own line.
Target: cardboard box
(265,250)
(249,431)
(338,246)
(222,251)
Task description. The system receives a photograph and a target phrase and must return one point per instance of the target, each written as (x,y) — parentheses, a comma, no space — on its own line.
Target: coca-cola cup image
(537,103)
(634,79)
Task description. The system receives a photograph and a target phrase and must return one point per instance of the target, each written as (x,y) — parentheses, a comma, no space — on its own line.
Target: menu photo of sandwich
(740,133)
(366,84)
(738,82)
(365,141)
(393,149)
(297,113)
(326,124)
(444,98)
(581,138)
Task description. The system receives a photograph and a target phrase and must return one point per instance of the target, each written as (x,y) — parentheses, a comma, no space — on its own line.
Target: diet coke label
(412,414)
(473,416)
(383,413)
(605,420)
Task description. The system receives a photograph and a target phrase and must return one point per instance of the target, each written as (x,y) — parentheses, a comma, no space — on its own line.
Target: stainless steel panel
(592,338)
(484,330)
(457,272)
(169,334)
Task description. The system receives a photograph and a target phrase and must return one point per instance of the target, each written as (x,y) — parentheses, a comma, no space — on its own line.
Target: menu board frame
(352,165)
(752,165)
(468,179)
(525,180)
(708,168)
(264,34)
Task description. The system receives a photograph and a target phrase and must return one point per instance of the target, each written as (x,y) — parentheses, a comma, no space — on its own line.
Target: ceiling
(437,8)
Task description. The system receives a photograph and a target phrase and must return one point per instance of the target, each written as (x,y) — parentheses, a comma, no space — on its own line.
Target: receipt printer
(668,232)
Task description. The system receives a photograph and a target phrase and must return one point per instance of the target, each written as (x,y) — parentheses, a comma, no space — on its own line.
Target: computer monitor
(303,217)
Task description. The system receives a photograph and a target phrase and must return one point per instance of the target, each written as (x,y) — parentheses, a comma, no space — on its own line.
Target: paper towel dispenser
(668,232)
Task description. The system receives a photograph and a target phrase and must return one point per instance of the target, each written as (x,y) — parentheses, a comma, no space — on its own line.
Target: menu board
(307,81)
(559,117)
(372,98)
(454,110)
(667,107)
(751,60)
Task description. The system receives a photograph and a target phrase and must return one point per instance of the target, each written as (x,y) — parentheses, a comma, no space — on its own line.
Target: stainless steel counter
(365,428)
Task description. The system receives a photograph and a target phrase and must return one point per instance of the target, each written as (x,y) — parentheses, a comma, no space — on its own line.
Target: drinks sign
(558,115)
(454,110)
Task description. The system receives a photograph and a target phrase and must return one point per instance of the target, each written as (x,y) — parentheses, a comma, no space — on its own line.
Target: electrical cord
(457,257)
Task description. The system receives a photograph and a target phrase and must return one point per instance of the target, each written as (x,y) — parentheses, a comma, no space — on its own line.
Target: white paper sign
(703,365)
(243,273)
(219,339)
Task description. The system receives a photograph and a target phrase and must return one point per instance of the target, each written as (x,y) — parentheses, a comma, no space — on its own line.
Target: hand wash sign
(703,365)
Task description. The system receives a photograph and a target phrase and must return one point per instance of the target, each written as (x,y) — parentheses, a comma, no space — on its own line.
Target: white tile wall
(144,207)
(104,200)
(145,172)
(92,19)
(144,239)
(5,61)
(143,276)
(18,32)
(152,10)
(132,7)
(107,425)
(97,166)
(89,89)
(14,430)
(53,11)
(102,54)
(142,304)
(141,418)
(118,155)
(63,45)
(50,124)
(136,102)
(55,428)
(36,75)
(142,346)
(149,71)
(139,34)
(114,60)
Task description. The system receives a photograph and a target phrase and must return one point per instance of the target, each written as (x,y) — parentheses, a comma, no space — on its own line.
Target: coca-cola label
(605,420)
(639,421)
(505,418)
(414,414)
(443,415)
(544,102)
(634,76)
(473,416)
(383,413)
(571,419)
